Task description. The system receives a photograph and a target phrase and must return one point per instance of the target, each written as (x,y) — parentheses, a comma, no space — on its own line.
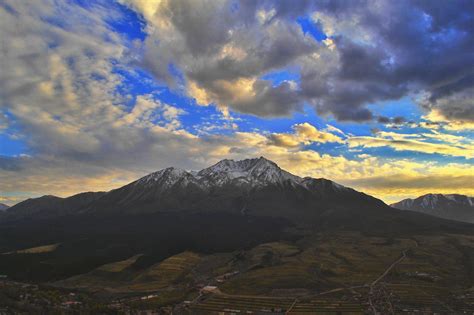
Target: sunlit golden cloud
(402,143)
(304,134)
(435,116)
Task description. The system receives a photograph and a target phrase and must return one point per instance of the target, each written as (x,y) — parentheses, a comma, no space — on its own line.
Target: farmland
(249,304)
(314,271)
(322,273)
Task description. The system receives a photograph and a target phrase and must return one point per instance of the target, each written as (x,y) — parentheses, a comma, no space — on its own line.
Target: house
(210,289)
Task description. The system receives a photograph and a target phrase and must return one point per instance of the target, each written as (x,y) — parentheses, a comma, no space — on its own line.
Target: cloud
(375,51)
(60,85)
(408,142)
(250,96)
(222,60)
(412,179)
(404,47)
(3,122)
(148,112)
(59,175)
(435,119)
(333,129)
(304,134)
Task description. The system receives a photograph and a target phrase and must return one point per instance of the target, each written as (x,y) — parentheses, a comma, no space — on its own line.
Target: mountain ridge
(236,186)
(3,206)
(448,206)
(257,171)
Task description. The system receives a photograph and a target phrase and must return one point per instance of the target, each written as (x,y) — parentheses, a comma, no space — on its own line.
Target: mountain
(448,206)
(230,206)
(3,207)
(49,206)
(251,186)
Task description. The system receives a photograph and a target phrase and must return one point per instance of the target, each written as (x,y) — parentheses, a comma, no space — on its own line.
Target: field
(119,266)
(122,277)
(322,273)
(250,304)
(350,273)
(35,250)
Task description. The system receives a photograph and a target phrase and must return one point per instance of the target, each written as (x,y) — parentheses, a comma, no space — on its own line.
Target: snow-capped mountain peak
(433,201)
(449,206)
(248,174)
(430,201)
(257,186)
(468,201)
(166,177)
(254,171)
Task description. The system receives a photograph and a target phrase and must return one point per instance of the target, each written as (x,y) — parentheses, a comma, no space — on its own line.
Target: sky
(377,95)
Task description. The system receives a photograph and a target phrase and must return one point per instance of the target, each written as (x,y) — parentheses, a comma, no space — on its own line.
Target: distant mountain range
(3,207)
(447,206)
(49,206)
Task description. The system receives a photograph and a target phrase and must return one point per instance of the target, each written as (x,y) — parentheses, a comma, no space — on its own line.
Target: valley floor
(322,273)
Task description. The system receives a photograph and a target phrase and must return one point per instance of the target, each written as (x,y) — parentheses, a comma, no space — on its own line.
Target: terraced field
(325,273)
(329,262)
(410,298)
(168,272)
(119,277)
(35,250)
(119,266)
(223,304)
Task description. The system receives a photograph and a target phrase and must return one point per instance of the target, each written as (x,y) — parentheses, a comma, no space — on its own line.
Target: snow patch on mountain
(166,178)
(448,206)
(429,201)
(253,171)
(249,172)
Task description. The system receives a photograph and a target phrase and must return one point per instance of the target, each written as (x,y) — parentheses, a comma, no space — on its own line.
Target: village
(18,297)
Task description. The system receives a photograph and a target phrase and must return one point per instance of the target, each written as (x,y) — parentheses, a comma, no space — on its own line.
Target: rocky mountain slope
(448,206)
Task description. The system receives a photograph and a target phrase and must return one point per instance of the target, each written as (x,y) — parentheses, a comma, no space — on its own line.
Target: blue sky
(100,93)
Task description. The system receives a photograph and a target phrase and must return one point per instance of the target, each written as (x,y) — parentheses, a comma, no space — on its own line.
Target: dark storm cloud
(383,120)
(271,101)
(219,44)
(377,51)
(408,47)
(398,120)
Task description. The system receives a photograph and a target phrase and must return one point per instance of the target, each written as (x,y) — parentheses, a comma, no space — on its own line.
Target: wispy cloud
(433,142)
